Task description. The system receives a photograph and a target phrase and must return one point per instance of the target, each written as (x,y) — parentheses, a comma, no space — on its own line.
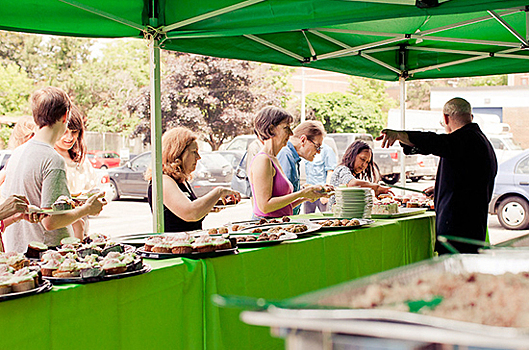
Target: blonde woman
(183,210)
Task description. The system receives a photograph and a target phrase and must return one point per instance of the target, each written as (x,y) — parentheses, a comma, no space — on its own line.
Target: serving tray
(79,280)
(43,288)
(319,221)
(159,256)
(402,213)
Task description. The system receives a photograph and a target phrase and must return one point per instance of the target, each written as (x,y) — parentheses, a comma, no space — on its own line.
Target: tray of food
(18,279)
(401,212)
(228,202)
(263,239)
(477,294)
(241,225)
(334,223)
(95,258)
(186,245)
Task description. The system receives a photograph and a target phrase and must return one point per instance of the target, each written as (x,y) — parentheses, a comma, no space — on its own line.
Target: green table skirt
(170,307)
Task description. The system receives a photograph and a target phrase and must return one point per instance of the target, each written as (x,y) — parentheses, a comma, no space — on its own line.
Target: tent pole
(402,83)
(156,135)
(303,94)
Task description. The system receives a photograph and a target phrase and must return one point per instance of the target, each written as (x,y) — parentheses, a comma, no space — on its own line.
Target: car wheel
(513,213)
(415,178)
(103,167)
(391,179)
(114,194)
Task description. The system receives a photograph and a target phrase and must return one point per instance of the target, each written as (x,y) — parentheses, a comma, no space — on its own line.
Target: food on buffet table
(71,240)
(337,222)
(14,281)
(257,230)
(385,206)
(63,203)
(183,243)
(35,249)
(229,200)
(73,265)
(14,260)
(266,237)
(495,300)
(237,227)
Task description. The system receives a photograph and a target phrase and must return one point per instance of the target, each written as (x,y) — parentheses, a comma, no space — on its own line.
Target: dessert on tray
(386,205)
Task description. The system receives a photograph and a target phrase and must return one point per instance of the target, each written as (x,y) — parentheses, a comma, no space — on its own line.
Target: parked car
(239,143)
(510,201)
(4,157)
(103,159)
(232,156)
(212,170)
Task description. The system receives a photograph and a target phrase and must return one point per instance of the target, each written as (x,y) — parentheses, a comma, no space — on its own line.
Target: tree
(215,97)
(341,112)
(14,97)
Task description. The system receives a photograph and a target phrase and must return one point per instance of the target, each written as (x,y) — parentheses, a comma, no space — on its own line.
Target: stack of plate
(353,202)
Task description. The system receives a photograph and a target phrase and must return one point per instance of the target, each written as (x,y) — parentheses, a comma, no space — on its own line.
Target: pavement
(132,215)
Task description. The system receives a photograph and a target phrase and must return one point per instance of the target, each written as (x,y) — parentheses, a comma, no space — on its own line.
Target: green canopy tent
(382,39)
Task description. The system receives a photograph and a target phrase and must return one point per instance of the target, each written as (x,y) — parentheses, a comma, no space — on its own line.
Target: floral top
(342,175)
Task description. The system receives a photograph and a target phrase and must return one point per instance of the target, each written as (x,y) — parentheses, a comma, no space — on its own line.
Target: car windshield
(211,160)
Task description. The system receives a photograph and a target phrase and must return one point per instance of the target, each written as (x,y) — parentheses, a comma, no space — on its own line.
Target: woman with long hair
(357,169)
(79,172)
(183,210)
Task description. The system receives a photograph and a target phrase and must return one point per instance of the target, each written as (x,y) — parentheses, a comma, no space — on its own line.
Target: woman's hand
(429,191)
(383,190)
(229,196)
(314,192)
(12,205)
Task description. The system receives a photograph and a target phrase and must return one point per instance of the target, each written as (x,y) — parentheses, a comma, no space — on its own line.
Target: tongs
(444,241)
(242,302)
(406,189)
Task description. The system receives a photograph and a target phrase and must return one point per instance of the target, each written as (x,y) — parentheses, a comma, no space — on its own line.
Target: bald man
(465,176)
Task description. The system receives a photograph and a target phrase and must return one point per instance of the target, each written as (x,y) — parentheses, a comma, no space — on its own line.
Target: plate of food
(227,202)
(187,245)
(333,223)
(263,239)
(17,279)
(299,228)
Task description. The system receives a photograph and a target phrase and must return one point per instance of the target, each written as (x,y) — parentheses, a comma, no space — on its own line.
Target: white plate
(49,211)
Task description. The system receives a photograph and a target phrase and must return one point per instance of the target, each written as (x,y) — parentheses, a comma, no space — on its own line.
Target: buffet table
(171,306)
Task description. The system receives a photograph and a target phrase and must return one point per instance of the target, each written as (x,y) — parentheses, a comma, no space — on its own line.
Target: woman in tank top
(273,194)
(183,211)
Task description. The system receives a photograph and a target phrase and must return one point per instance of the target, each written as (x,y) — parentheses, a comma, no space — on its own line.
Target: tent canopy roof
(381,39)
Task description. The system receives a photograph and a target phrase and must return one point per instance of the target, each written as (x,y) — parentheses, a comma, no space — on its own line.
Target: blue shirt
(289,160)
(323,162)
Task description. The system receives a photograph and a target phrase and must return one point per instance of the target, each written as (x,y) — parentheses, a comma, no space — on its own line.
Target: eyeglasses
(442,122)
(318,148)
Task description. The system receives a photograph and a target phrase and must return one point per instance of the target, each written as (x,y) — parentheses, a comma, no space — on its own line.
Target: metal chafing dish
(322,326)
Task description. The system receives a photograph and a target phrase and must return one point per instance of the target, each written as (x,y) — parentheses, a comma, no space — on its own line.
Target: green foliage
(372,90)
(341,112)
(16,90)
(214,97)
(5,134)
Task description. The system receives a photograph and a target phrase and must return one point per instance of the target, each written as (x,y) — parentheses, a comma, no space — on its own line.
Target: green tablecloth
(170,307)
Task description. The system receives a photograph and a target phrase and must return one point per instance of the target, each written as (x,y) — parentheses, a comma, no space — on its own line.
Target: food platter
(43,288)
(80,280)
(319,221)
(257,244)
(402,213)
(194,255)
(311,227)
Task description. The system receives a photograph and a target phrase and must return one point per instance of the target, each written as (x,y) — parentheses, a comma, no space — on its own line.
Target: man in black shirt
(465,177)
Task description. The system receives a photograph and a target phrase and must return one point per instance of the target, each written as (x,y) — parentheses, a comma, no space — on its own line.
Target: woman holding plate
(183,210)
(273,194)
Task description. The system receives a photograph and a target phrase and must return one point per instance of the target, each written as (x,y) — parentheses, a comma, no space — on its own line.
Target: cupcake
(114,266)
(162,247)
(51,255)
(74,241)
(63,203)
(112,247)
(22,283)
(67,269)
(35,249)
(49,267)
(221,243)
(181,248)
(89,249)
(203,244)
(151,242)
(67,248)
(5,285)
